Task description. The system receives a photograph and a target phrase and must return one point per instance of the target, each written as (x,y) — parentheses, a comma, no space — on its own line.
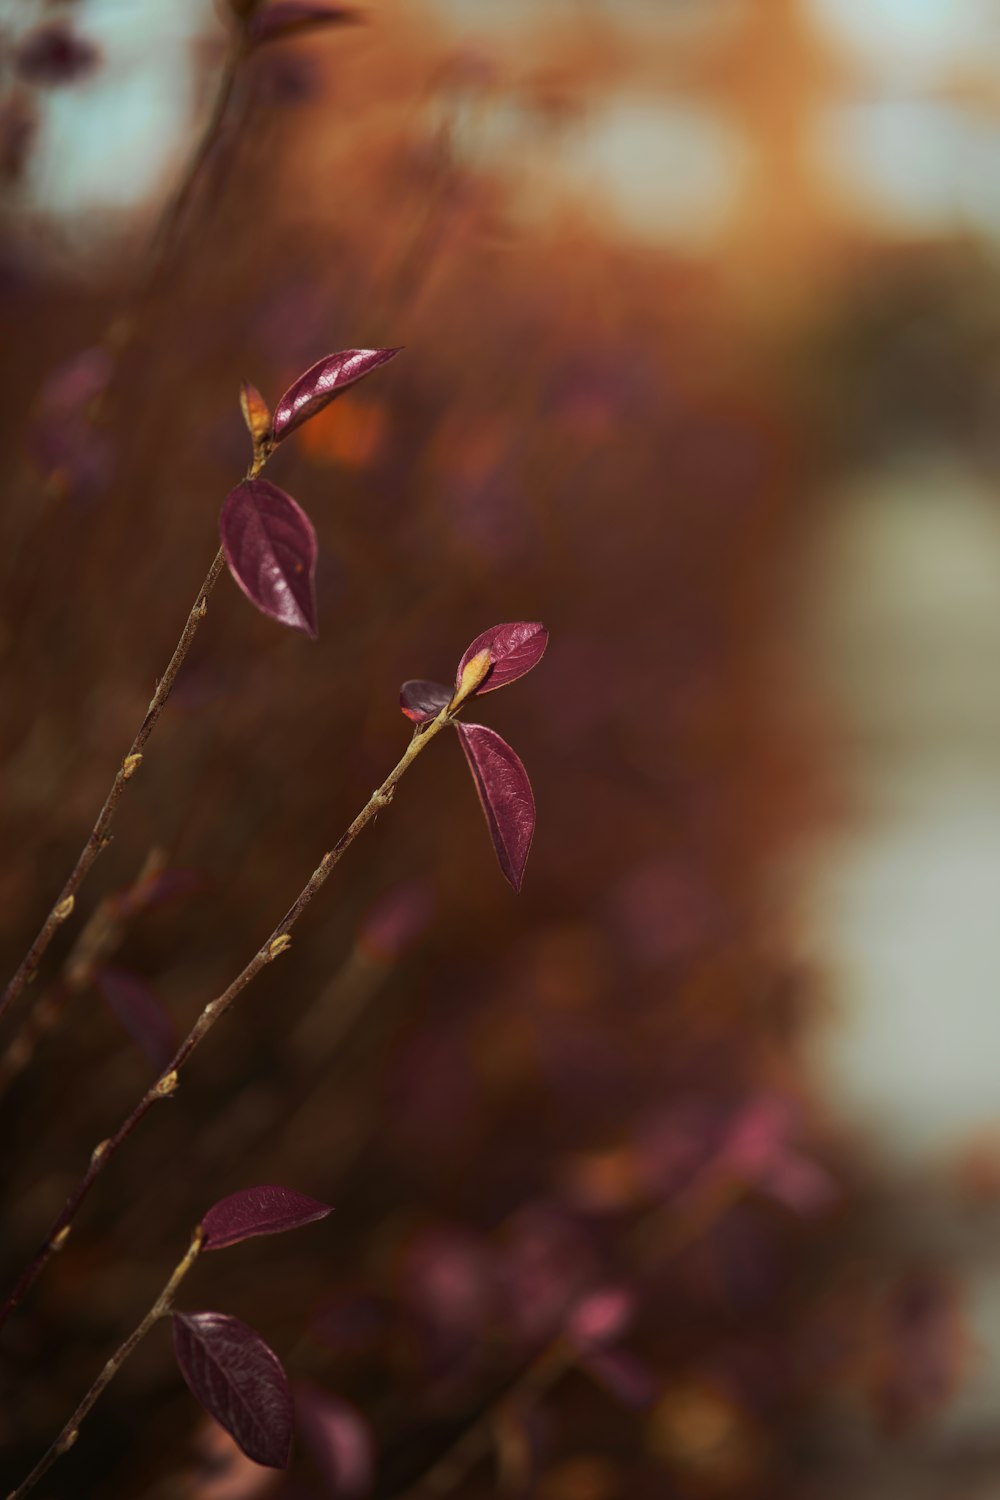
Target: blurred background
(678,1175)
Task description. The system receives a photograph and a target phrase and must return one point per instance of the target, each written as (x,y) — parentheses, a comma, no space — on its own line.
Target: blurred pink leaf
(422,701)
(239,1380)
(504,794)
(397,919)
(270,546)
(258,1210)
(322,383)
(601,1318)
(514,649)
(338,1438)
(140,1011)
(288,16)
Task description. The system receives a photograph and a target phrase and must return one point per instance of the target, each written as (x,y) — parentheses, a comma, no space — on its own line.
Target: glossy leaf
(270,546)
(258,1210)
(256,413)
(239,1380)
(288,16)
(140,1012)
(339,1440)
(504,794)
(422,701)
(322,383)
(514,649)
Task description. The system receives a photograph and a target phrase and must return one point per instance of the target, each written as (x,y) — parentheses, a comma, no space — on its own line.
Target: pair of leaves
(500,779)
(228,1367)
(268,540)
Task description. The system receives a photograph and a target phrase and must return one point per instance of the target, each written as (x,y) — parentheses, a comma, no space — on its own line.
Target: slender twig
(276,944)
(95,943)
(71,1431)
(99,840)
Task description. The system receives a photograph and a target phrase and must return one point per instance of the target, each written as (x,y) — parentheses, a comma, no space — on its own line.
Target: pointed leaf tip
(270,547)
(514,649)
(258,1210)
(239,1380)
(505,796)
(322,383)
(422,701)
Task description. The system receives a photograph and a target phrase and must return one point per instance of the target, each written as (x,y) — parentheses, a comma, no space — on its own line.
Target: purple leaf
(504,794)
(270,546)
(239,1380)
(321,383)
(258,1210)
(514,649)
(339,1441)
(140,1012)
(288,16)
(422,701)
(54,54)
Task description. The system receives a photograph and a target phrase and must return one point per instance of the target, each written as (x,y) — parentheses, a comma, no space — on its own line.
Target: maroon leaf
(55,54)
(514,649)
(258,1210)
(504,794)
(140,1012)
(338,1439)
(270,546)
(321,383)
(288,16)
(239,1380)
(422,701)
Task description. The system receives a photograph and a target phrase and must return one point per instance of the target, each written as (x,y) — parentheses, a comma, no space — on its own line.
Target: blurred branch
(276,944)
(117,339)
(97,940)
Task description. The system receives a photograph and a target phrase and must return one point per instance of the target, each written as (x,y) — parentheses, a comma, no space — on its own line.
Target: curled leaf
(288,16)
(140,1012)
(338,1439)
(270,546)
(255,411)
(514,649)
(422,701)
(258,1210)
(239,1380)
(322,383)
(504,794)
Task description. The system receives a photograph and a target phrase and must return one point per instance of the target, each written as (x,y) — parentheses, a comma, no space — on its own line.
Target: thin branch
(98,841)
(276,944)
(71,1431)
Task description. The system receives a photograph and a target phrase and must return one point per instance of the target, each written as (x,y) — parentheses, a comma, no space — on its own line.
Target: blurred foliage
(592,1236)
